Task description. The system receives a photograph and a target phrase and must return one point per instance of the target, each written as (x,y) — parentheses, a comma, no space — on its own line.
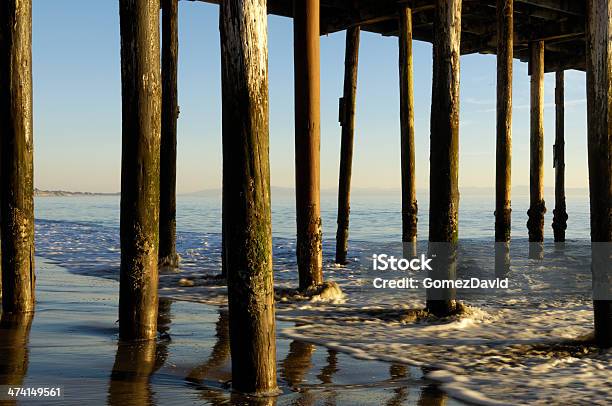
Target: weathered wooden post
(599,108)
(559,224)
(223,252)
(347,121)
(16,157)
(170,111)
(503,153)
(307,141)
(409,202)
(141,95)
(537,207)
(503,184)
(226,150)
(444,156)
(246,192)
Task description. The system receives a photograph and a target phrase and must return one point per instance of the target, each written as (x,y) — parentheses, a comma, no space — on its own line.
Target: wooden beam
(307,142)
(572,7)
(16,157)
(141,133)
(556,58)
(281,8)
(444,155)
(599,114)
(246,191)
(170,111)
(559,213)
(347,121)
(537,206)
(503,183)
(409,202)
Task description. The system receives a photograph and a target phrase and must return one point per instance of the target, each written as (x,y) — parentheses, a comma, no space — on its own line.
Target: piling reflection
(409,249)
(136,362)
(14,347)
(441,301)
(237,399)
(502,259)
(431,396)
(295,367)
(298,362)
(401,393)
(536,250)
(560,246)
(327,374)
(219,355)
(328,371)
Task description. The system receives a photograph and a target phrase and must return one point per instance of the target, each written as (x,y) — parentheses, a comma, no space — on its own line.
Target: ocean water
(521,345)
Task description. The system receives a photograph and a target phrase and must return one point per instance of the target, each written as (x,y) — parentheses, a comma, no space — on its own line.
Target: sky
(77,106)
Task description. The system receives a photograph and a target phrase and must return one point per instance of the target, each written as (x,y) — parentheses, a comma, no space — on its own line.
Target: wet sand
(71,342)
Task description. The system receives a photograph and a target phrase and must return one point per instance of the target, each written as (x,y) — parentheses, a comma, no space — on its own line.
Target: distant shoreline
(518,190)
(64,193)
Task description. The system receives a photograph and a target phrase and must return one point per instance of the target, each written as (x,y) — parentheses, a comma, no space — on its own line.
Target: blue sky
(77,105)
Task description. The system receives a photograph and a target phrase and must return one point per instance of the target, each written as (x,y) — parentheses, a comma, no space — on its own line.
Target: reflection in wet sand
(295,367)
(432,396)
(136,362)
(134,365)
(237,399)
(14,350)
(218,356)
(328,371)
(401,393)
(327,374)
(298,362)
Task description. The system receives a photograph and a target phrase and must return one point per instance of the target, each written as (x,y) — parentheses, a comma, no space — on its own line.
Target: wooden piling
(16,157)
(599,114)
(560,217)
(141,96)
(503,168)
(226,151)
(246,192)
(537,207)
(347,121)
(409,201)
(306,31)
(170,112)
(444,156)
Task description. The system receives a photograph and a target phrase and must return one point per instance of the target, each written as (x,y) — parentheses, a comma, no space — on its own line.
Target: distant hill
(62,193)
(277,191)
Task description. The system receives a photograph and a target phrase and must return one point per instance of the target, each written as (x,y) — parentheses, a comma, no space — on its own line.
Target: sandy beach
(72,343)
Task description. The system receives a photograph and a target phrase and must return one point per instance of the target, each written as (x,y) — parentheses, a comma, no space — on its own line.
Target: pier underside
(559,23)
